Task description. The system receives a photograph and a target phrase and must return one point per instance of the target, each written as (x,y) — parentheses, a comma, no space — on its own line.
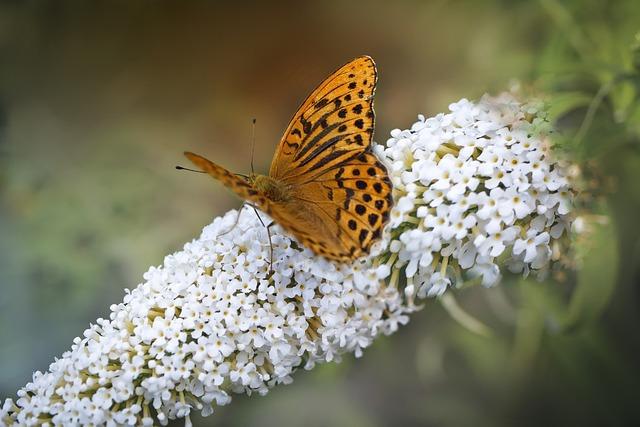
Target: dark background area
(99,99)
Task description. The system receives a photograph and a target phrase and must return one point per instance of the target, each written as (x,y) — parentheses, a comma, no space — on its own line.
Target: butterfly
(325,186)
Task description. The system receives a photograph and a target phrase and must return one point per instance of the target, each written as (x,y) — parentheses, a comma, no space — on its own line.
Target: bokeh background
(99,99)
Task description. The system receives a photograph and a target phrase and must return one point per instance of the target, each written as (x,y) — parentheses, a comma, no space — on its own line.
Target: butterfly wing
(235,183)
(325,157)
(352,201)
(306,223)
(336,119)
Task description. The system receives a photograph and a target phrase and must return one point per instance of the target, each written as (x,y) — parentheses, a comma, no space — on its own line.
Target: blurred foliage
(97,100)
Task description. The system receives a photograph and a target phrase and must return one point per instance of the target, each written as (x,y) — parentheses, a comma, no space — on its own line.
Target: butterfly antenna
(253,142)
(181,168)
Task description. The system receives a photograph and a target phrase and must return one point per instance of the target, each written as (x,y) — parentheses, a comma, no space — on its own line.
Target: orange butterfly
(325,186)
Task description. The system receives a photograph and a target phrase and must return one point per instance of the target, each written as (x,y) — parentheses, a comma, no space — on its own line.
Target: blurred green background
(99,99)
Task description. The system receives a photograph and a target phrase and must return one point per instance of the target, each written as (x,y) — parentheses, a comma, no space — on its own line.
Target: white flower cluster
(214,320)
(471,187)
(475,188)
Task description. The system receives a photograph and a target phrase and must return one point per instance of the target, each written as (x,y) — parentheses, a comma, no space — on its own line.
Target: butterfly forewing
(333,122)
(325,156)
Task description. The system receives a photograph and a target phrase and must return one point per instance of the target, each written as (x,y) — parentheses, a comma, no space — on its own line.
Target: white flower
(462,225)
(514,201)
(489,271)
(495,243)
(530,245)
(436,286)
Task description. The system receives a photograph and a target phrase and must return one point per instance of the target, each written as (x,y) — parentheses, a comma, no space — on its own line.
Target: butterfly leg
(270,246)
(268,227)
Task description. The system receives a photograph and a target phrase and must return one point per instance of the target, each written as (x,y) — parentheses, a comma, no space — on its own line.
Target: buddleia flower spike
(477,191)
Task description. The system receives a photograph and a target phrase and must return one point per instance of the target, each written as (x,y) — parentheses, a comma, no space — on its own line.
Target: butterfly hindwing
(356,197)
(311,227)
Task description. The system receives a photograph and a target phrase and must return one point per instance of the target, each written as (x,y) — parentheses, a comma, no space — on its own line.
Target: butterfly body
(325,186)
(271,188)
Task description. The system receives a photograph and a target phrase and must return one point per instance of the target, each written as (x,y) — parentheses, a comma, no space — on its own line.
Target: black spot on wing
(323,102)
(306,127)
